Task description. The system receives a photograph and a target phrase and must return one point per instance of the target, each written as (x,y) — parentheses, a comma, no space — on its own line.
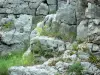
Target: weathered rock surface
(35,70)
(69,19)
(18,34)
(30,7)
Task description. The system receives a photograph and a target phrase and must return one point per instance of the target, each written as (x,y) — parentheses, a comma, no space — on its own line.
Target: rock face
(30,7)
(35,70)
(71,27)
(13,30)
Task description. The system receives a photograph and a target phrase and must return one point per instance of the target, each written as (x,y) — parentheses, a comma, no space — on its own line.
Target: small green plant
(75,47)
(8,25)
(58,73)
(29,60)
(79,41)
(93,59)
(45,31)
(42,50)
(39,30)
(75,68)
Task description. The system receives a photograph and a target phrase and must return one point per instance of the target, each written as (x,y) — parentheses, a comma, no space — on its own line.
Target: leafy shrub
(75,68)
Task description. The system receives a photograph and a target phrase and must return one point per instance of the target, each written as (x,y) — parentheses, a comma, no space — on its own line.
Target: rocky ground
(66,40)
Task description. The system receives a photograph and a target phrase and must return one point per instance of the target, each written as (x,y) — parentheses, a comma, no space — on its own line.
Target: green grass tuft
(12,60)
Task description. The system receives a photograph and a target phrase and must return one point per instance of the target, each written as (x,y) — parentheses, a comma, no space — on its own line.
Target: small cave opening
(45,1)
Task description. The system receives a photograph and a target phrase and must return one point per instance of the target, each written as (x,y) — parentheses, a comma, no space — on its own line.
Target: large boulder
(56,29)
(22,30)
(92,11)
(42,9)
(94,31)
(51,42)
(90,68)
(34,70)
(73,7)
(82,30)
(15,32)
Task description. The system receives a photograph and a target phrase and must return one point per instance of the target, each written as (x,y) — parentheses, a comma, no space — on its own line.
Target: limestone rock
(93,32)
(82,30)
(51,1)
(15,35)
(22,30)
(51,42)
(92,11)
(90,68)
(42,9)
(34,70)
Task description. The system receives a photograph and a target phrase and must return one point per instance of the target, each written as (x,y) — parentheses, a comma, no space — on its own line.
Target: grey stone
(33,5)
(2,16)
(90,68)
(93,32)
(64,16)
(33,0)
(6,50)
(75,8)
(37,70)
(14,1)
(51,42)
(42,9)
(22,29)
(67,55)
(52,1)
(3,10)
(61,66)
(82,30)
(92,11)
(61,3)
(52,8)
(83,55)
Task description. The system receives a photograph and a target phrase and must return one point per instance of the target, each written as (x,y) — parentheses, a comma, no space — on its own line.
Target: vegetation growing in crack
(40,50)
(75,69)
(95,60)
(45,31)
(7,25)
